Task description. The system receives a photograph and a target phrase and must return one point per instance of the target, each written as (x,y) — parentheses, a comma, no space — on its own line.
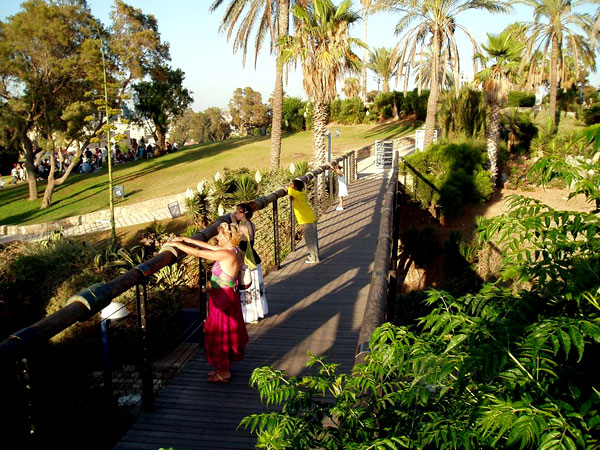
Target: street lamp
(114,311)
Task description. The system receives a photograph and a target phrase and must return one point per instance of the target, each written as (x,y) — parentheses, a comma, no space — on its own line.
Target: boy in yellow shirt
(307,217)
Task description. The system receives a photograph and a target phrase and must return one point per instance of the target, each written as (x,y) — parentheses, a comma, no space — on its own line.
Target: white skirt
(342,187)
(254,301)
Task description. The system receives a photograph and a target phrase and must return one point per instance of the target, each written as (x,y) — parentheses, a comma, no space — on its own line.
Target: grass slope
(173,173)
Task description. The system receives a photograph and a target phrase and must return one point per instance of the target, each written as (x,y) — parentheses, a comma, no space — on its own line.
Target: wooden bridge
(311,307)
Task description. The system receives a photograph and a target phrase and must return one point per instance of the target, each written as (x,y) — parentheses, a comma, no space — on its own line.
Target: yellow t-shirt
(304,213)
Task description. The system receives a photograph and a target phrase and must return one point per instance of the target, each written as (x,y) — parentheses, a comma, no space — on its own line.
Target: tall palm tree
(384,62)
(368,6)
(555,27)
(351,87)
(323,45)
(436,26)
(263,17)
(501,68)
(423,68)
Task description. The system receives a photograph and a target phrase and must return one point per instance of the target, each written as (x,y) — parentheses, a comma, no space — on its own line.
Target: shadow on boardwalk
(312,307)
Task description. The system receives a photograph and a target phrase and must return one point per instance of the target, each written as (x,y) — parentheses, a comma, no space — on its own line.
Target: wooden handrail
(375,309)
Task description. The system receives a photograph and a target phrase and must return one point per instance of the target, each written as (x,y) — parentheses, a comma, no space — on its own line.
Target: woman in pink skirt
(225,335)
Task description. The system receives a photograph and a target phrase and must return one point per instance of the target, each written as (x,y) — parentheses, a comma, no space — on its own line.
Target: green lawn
(173,173)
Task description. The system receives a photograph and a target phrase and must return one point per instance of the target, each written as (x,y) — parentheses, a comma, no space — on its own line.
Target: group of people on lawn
(225,333)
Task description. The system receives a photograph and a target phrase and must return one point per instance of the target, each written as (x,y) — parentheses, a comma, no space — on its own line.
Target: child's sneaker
(339,208)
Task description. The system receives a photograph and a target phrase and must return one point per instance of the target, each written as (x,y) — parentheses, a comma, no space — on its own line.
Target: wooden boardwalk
(311,307)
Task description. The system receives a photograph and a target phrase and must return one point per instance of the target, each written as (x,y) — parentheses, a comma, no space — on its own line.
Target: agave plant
(246,189)
(123,259)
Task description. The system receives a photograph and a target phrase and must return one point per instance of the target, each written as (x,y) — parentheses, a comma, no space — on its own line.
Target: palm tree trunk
(553,78)
(365,57)
(278,91)
(319,144)
(432,102)
(492,141)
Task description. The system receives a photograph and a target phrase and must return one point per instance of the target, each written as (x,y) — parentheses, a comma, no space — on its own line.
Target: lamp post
(114,311)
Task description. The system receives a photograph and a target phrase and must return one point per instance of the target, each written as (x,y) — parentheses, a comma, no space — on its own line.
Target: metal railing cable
(382,290)
(422,190)
(276,236)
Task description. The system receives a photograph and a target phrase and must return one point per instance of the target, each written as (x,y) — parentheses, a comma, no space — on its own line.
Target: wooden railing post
(277,250)
(292,226)
(146,361)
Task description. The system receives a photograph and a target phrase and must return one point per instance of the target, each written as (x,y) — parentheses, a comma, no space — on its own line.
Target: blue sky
(213,72)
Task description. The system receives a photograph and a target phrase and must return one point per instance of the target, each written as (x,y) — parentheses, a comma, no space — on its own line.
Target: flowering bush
(517,170)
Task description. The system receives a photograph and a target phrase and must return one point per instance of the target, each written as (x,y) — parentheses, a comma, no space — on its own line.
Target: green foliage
(464,115)
(457,170)
(518,130)
(417,104)
(293,114)
(32,277)
(348,111)
(519,98)
(247,110)
(246,188)
(591,115)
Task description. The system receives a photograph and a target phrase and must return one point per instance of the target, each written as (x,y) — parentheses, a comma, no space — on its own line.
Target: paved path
(312,307)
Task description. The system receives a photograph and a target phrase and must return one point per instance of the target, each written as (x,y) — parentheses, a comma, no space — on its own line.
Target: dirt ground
(436,273)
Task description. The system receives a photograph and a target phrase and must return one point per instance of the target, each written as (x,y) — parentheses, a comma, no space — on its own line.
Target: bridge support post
(146,361)
(277,249)
(292,227)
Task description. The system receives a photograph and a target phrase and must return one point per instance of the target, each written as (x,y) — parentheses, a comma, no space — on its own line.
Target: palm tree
(367,9)
(351,87)
(384,62)
(423,71)
(501,68)
(323,45)
(264,17)
(554,27)
(436,20)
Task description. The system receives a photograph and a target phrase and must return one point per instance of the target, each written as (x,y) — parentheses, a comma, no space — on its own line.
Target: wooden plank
(312,307)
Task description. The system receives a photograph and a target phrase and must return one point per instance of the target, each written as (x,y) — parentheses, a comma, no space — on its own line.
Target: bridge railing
(35,384)
(419,187)
(382,291)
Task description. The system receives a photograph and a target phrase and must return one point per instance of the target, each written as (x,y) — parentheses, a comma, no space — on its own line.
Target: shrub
(293,114)
(518,98)
(457,170)
(417,104)
(30,275)
(347,111)
(591,115)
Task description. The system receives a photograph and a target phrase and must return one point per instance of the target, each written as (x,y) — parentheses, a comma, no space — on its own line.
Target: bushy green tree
(159,100)
(247,110)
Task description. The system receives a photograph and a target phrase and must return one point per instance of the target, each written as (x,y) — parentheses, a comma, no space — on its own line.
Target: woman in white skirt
(254,301)
(342,186)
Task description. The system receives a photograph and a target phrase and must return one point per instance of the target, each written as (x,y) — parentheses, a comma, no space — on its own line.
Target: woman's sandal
(212,373)
(216,378)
